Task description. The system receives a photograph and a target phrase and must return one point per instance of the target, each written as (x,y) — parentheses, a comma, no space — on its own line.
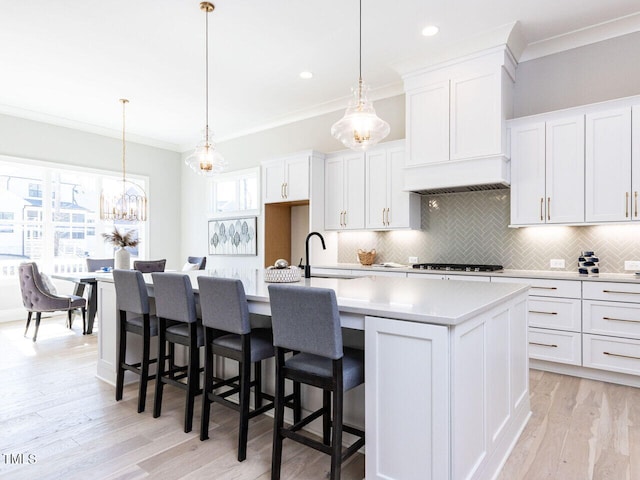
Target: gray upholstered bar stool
(306,320)
(225,316)
(178,323)
(134,317)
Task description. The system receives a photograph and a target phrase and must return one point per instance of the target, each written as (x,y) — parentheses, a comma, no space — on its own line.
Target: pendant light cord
(206,87)
(124,145)
(360,72)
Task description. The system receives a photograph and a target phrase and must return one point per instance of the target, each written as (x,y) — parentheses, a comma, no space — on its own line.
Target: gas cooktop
(458,267)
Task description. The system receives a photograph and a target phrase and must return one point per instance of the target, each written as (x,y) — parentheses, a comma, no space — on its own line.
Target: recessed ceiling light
(430,30)
(306,75)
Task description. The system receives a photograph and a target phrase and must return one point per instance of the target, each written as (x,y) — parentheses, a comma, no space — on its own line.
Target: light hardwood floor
(53,408)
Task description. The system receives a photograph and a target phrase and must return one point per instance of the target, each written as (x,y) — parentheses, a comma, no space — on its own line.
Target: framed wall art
(233,236)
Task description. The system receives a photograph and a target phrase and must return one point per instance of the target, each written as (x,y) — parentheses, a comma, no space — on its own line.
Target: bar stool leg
(193,381)
(208,385)
(336,441)
(278,417)
(157,401)
(122,348)
(144,367)
(326,417)
(245,389)
(257,373)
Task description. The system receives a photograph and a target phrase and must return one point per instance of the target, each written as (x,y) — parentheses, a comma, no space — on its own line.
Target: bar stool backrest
(224,305)
(131,291)
(174,297)
(306,319)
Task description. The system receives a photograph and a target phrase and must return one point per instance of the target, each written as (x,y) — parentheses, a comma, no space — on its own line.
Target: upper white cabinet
(547,171)
(610,196)
(286,179)
(387,205)
(457,112)
(344,191)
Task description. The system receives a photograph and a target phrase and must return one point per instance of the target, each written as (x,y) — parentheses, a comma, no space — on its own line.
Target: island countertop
(413,299)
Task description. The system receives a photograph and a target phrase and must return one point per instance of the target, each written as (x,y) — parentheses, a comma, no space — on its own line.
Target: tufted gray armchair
(36,298)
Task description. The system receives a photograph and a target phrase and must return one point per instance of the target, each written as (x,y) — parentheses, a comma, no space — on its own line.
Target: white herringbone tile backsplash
(473,228)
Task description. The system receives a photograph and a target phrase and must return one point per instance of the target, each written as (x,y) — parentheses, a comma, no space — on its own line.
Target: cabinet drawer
(555,313)
(611,318)
(617,292)
(613,354)
(547,288)
(555,346)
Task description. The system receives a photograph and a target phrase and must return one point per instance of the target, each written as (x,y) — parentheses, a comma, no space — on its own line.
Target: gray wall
(589,74)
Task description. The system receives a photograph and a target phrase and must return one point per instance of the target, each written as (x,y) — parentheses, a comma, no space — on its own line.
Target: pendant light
(205,159)
(128,203)
(360,127)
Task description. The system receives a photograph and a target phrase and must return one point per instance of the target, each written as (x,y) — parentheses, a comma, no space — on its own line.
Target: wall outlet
(557,263)
(632,265)
(413,259)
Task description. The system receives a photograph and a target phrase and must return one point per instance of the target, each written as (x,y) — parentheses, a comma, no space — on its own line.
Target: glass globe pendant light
(205,159)
(360,127)
(129,203)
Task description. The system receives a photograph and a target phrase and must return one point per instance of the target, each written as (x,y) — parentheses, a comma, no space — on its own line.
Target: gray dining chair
(37,298)
(200,261)
(306,320)
(96,264)
(150,266)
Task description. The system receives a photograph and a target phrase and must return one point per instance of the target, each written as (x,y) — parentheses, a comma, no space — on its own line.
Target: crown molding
(584,36)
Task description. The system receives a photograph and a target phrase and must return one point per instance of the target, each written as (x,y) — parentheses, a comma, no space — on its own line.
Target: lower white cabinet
(555,346)
(445,402)
(610,353)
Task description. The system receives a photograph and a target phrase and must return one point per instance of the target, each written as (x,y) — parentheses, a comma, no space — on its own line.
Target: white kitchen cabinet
(345,191)
(456,118)
(608,191)
(286,179)
(555,319)
(547,171)
(387,205)
(428,123)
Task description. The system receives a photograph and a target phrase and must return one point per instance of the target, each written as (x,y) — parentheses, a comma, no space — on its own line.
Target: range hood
(468,175)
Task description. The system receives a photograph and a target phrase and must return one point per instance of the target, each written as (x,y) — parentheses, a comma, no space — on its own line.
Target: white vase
(122,259)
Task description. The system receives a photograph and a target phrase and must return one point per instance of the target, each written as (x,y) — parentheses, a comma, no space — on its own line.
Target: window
(235,193)
(50,214)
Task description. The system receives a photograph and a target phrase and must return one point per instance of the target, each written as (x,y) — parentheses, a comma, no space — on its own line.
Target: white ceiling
(69,61)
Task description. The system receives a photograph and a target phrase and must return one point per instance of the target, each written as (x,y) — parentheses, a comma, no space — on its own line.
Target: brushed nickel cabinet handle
(621,292)
(544,344)
(286,190)
(548,208)
(626,204)
(620,320)
(342,224)
(345,218)
(388,222)
(383,222)
(541,207)
(543,313)
(282,190)
(635,199)
(545,288)
(620,355)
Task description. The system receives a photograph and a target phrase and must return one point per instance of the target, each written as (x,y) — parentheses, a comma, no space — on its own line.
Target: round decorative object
(281,263)
(282,275)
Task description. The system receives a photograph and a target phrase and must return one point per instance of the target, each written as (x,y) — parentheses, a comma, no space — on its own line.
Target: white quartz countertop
(553,275)
(415,299)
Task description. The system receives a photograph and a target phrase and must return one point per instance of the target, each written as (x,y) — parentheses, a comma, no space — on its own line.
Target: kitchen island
(446,385)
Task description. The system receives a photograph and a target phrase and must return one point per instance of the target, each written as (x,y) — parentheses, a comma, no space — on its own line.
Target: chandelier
(360,127)
(128,203)
(205,159)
